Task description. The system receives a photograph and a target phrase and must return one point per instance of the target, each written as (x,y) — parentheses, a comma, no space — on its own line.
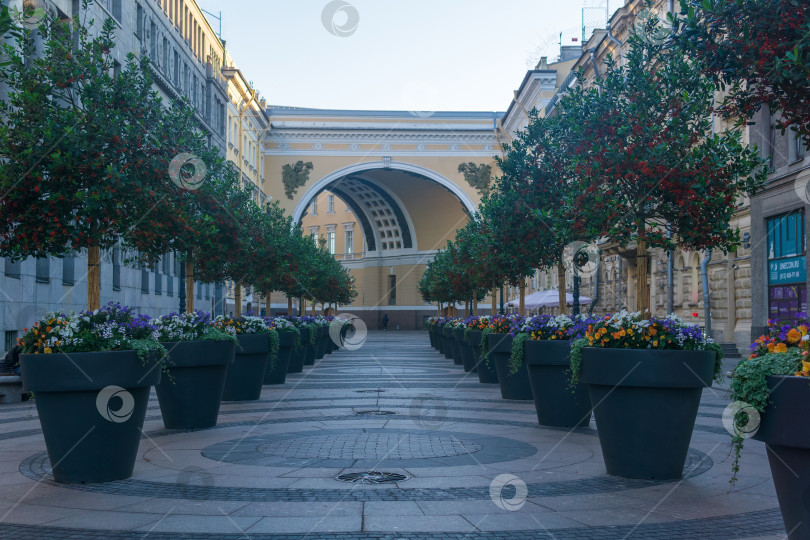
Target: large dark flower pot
(296,354)
(549,366)
(190,397)
(788,443)
(447,340)
(457,335)
(645,403)
(440,340)
(279,365)
(320,345)
(513,385)
(309,348)
(467,359)
(245,375)
(486,370)
(432,338)
(91,407)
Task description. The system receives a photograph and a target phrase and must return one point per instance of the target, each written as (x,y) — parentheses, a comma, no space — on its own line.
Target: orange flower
(793,336)
(780,348)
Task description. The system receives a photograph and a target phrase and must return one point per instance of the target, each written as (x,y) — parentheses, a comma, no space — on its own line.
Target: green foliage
(750,386)
(294,176)
(274,346)
(485,343)
(757,51)
(516,358)
(478,176)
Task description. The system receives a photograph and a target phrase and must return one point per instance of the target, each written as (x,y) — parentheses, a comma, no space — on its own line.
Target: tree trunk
(561,286)
(267,304)
(522,302)
(440,308)
(642,287)
(93,279)
(313,307)
(494,301)
(237,299)
(189,283)
(289,305)
(475,307)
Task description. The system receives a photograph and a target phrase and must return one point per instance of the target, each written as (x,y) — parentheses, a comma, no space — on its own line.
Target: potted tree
(769,387)
(91,373)
(199,354)
(257,345)
(477,338)
(514,384)
(544,345)
(290,349)
(637,369)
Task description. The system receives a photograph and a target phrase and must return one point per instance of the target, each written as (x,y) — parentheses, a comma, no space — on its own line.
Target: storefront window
(787,266)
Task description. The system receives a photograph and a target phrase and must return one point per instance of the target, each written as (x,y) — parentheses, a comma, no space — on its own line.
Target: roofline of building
(281,110)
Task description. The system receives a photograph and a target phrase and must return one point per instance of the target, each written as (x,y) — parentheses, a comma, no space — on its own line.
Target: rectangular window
(349,242)
(331,205)
(207,291)
(392,290)
(144,280)
(11,338)
(12,269)
(199,290)
(165,55)
(796,148)
(787,266)
(786,235)
(116,260)
(315,207)
(330,241)
(43,270)
(153,41)
(158,279)
(139,22)
(68,270)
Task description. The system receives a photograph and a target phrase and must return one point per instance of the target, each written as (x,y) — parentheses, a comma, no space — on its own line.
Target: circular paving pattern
(373,445)
(369,448)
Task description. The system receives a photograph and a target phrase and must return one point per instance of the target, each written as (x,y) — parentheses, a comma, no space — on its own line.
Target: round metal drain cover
(371,477)
(369,391)
(375,413)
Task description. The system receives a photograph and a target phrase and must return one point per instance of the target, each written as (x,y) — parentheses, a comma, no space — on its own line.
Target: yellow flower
(793,336)
(780,348)
(48,350)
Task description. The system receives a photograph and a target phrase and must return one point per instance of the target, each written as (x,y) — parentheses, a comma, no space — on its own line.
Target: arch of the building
(335,182)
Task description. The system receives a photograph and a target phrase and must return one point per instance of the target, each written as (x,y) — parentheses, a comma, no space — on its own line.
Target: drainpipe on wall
(670,282)
(596,74)
(704,273)
(618,43)
(595,299)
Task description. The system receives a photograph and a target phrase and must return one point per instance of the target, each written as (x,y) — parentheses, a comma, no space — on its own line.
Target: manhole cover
(375,413)
(371,477)
(369,391)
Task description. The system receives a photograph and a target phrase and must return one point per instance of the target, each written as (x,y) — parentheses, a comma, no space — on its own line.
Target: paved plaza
(464,463)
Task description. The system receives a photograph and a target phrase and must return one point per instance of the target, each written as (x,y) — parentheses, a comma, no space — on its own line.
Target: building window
(43,270)
(139,22)
(796,148)
(145,280)
(330,241)
(116,261)
(787,268)
(12,269)
(199,290)
(207,291)
(68,270)
(331,205)
(158,279)
(392,290)
(314,208)
(11,339)
(349,242)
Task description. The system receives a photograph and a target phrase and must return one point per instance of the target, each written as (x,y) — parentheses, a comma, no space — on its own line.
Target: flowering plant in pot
(290,345)
(477,330)
(258,345)
(635,367)
(767,389)
(308,327)
(90,373)
(199,356)
(499,336)
(544,344)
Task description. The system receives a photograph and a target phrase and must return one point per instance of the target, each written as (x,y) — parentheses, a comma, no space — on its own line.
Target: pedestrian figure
(385,322)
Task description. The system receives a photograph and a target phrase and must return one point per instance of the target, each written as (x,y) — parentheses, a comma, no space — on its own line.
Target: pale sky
(420,55)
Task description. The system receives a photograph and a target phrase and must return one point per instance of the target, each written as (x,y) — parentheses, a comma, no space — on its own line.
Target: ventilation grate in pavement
(371,477)
(375,413)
